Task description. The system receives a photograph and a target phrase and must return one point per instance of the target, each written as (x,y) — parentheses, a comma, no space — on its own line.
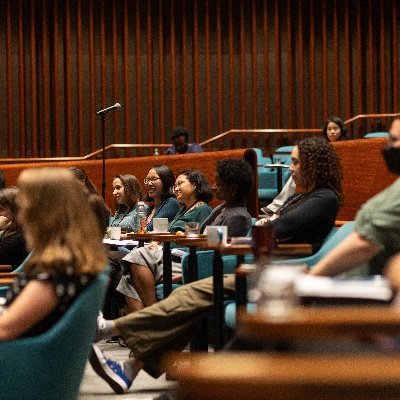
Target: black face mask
(392,158)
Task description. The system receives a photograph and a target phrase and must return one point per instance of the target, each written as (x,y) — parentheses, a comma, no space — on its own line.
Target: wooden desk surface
(146,236)
(301,249)
(255,376)
(305,323)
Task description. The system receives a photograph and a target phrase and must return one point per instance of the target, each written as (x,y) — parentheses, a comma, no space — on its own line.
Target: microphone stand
(103,182)
(103,113)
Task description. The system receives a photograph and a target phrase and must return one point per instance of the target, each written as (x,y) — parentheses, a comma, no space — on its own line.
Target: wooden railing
(131,150)
(267,139)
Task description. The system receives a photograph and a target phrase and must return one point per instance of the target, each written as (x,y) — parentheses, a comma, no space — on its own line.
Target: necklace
(118,218)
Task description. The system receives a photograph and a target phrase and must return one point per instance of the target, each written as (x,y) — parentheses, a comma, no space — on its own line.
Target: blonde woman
(66,254)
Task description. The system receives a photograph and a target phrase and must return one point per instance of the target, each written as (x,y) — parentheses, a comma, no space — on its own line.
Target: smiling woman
(159,184)
(126,191)
(143,266)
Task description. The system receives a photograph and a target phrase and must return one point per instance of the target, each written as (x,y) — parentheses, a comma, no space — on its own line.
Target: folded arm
(353,251)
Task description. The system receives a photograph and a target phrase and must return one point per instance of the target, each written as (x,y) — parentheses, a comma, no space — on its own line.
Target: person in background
(90,187)
(159,184)
(127,193)
(334,130)
(12,242)
(180,143)
(82,176)
(143,267)
(66,254)
(168,325)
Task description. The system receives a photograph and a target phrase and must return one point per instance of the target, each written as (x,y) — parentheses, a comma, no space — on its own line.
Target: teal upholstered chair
(282,155)
(372,135)
(267,188)
(336,236)
(333,239)
(50,366)
(4,288)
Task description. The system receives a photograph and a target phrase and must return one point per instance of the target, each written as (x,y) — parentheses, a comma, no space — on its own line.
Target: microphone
(106,110)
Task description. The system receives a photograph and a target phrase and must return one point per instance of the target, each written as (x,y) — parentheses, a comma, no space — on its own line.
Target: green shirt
(379,221)
(197,214)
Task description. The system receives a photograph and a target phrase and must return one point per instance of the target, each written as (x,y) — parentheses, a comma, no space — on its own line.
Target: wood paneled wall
(209,65)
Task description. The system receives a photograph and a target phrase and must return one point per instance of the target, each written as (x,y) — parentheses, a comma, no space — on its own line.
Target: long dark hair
(320,166)
(340,123)
(82,176)
(167,179)
(132,191)
(8,202)
(203,190)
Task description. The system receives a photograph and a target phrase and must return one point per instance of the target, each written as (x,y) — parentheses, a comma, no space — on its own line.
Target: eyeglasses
(153,179)
(179,183)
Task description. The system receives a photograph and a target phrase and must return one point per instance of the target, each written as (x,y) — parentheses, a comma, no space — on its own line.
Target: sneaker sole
(104,371)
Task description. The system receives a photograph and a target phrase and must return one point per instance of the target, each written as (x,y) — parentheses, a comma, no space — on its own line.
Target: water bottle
(142,216)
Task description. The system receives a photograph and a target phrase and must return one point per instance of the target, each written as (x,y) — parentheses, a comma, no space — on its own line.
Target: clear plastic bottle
(142,213)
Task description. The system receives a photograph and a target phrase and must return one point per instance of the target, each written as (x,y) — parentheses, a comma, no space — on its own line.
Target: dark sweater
(237,219)
(309,220)
(12,249)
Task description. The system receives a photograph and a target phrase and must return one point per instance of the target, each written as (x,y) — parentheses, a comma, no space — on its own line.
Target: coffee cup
(160,225)
(114,232)
(217,235)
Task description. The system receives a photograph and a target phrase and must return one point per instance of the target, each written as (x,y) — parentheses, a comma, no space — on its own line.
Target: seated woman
(127,192)
(233,182)
(65,257)
(143,266)
(309,215)
(12,242)
(91,189)
(152,332)
(159,184)
(334,130)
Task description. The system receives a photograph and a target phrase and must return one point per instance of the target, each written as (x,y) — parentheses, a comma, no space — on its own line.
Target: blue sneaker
(111,371)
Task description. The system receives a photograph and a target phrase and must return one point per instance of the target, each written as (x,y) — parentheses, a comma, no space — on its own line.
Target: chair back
(50,365)
(373,135)
(330,242)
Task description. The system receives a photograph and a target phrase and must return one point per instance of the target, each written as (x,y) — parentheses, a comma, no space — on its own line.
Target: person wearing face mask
(376,235)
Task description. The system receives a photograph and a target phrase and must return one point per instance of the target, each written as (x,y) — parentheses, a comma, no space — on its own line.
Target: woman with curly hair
(309,215)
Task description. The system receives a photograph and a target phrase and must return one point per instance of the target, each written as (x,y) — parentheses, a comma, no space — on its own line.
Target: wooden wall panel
(212,65)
